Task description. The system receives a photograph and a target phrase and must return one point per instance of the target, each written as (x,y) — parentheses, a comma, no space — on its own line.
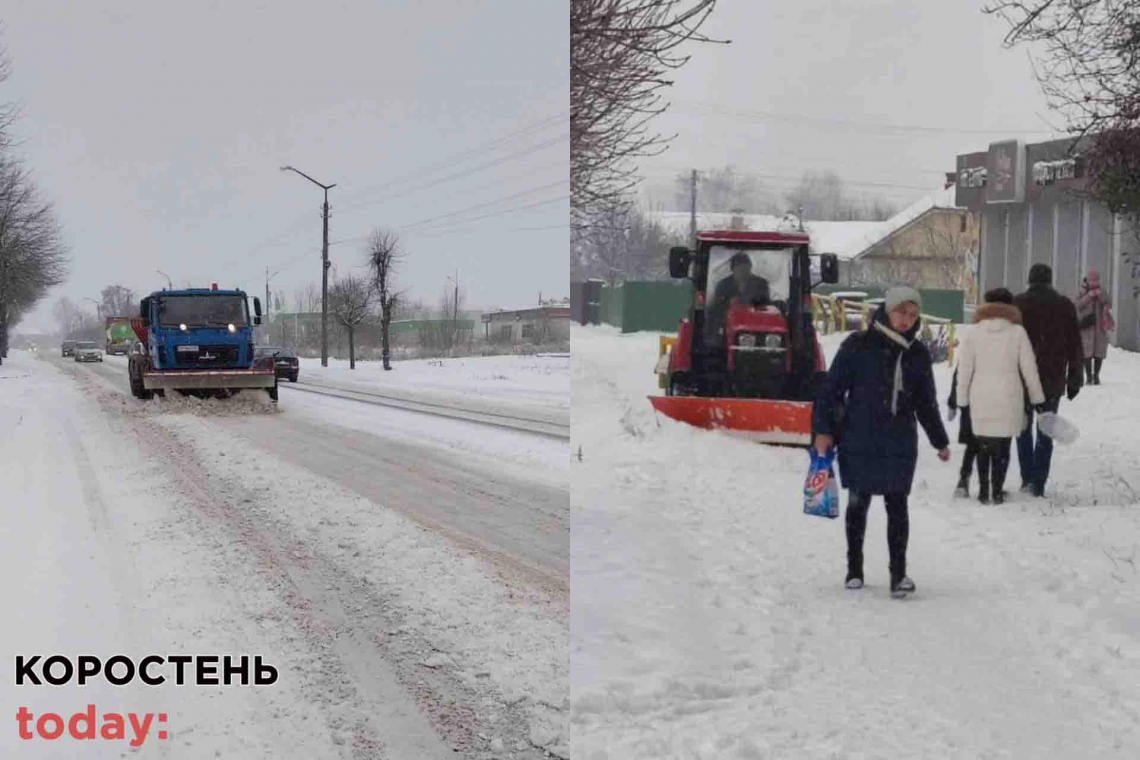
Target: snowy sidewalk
(709,617)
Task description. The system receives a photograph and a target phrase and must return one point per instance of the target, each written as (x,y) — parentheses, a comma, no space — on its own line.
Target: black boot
(1088,371)
(856,524)
(984,458)
(1096,371)
(1000,468)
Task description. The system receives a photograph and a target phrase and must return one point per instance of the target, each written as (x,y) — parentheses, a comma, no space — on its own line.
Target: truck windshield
(203,311)
(773,264)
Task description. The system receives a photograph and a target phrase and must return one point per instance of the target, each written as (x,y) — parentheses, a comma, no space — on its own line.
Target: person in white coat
(996,368)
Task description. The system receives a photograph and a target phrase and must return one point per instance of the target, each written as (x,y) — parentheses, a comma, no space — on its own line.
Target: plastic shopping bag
(821,492)
(1058,428)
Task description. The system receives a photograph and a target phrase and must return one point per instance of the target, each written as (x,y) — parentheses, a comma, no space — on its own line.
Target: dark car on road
(288,365)
(68,348)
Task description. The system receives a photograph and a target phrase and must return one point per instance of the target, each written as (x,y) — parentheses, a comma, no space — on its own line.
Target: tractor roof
(749,236)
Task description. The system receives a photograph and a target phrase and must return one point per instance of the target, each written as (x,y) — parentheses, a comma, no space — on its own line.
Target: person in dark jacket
(884,378)
(742,284)
(1050,319)
(966,436)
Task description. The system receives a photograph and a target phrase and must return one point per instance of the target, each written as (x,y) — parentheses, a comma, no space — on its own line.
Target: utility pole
(693,207)
(324,264)
(325,283)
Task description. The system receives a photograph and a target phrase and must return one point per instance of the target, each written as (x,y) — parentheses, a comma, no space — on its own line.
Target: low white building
(528,324)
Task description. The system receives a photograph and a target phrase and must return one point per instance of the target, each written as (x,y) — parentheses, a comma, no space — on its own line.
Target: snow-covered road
(384,564)
(709,618)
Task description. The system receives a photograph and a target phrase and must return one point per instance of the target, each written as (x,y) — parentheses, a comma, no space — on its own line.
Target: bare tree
(67,315)
(118,301)
(1088,71)
(33,258)
(350,300)
(620,54)
(9,111)
(384,255)
(625,243)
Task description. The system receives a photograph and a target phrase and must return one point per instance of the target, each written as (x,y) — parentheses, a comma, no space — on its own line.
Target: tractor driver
(750,289)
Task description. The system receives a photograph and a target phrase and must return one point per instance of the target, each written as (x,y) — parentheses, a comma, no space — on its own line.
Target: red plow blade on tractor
(762,420)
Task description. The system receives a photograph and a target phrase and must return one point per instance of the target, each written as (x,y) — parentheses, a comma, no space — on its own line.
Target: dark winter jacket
(878,450)
(1050,319)
(965,427)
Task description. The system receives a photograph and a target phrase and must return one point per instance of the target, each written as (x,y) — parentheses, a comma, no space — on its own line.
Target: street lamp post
(164,274)
(98,308)
(324,265)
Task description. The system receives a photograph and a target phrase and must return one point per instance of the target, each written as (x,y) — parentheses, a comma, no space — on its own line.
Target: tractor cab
(749,333)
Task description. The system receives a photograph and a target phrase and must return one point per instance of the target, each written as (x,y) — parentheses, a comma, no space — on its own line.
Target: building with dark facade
(1031,210)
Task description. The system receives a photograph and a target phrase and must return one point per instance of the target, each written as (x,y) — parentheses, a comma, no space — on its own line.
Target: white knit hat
(899,295)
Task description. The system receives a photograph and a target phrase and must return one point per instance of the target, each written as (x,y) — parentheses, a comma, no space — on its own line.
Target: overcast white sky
(884,92)
(158,128)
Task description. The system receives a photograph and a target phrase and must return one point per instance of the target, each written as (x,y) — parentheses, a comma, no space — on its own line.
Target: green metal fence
(659,306)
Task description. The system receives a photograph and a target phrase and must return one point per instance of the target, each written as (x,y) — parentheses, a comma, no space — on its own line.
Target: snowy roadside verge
(538,385)
(457,623)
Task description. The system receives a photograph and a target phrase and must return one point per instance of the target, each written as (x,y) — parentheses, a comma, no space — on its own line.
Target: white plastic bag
(1058,428)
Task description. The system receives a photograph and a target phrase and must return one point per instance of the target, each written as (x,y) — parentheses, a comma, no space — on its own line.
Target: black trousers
(993,462)
(1092,370)
(898,532)
(968,460)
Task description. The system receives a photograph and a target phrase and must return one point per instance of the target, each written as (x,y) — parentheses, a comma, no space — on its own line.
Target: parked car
(288,365)
(88,351)
(68,348)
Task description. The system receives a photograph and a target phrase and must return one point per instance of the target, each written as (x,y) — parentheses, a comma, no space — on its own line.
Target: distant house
(931,243)
(528,324)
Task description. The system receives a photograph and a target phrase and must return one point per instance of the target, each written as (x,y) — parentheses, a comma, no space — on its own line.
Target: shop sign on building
(1005,172)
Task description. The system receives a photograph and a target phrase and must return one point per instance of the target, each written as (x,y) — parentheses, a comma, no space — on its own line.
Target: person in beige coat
(995,370)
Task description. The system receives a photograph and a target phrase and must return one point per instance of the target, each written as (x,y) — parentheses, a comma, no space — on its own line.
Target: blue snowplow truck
(198,342)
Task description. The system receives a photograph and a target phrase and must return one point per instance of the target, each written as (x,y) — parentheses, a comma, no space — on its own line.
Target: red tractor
(746,359)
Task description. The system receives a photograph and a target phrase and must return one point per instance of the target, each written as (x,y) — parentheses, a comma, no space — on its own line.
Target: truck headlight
(233,329)
(773,340)
(748,340)
(182,327)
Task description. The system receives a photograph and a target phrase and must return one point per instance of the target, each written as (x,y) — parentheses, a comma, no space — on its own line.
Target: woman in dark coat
(885,380)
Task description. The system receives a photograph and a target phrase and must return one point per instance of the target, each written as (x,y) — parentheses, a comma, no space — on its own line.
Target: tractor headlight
(747,339)
(773,340)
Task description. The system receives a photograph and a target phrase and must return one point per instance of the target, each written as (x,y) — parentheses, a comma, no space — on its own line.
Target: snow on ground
(535,383)
(709,617)
(145,527)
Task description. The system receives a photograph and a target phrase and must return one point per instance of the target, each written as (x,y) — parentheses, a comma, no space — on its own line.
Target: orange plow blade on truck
(763,420)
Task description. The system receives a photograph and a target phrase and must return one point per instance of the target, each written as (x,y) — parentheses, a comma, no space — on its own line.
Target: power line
(855,182)
(530,191)
(482,147)
(749,115)
(401,191)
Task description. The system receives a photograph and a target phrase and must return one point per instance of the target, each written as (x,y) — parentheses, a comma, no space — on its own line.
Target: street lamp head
(286,168)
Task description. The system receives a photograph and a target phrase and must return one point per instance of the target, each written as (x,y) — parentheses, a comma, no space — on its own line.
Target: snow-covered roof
(847,240)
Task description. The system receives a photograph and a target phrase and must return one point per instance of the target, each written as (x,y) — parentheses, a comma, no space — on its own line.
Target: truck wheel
(137,389)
